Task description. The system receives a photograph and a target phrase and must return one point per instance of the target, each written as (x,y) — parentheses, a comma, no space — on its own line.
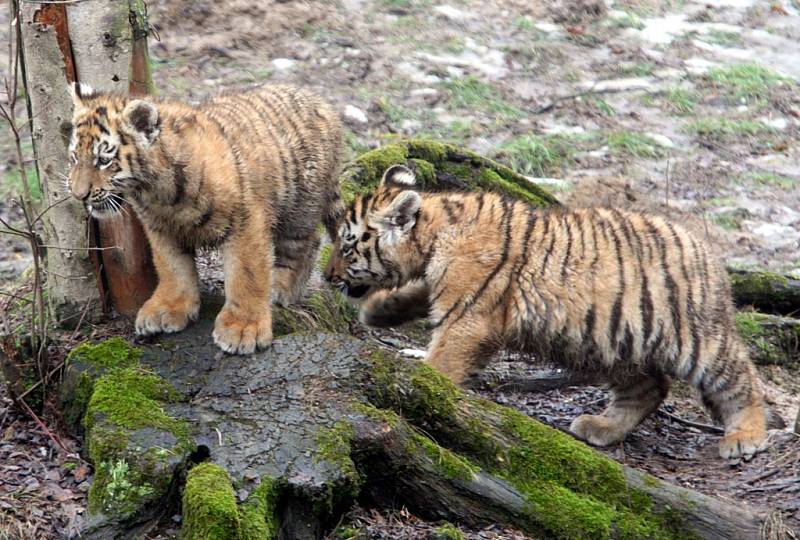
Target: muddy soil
(659,105)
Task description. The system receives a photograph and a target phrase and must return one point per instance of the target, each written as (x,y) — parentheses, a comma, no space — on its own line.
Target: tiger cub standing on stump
(254,173)
(630,298)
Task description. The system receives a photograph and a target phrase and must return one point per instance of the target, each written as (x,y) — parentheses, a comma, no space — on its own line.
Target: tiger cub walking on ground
(630,298)
(254,173)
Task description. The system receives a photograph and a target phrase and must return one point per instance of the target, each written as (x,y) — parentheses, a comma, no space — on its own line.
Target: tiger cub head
(108,132)
(373,243)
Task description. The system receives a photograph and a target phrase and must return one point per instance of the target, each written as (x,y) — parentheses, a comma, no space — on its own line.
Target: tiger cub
(631,299)
(252,172)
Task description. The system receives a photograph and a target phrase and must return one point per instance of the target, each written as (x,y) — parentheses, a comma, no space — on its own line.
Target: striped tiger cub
(252,172)
(632,299)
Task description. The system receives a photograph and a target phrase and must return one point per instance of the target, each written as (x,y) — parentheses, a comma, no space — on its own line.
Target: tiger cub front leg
(387,308)
(245,321)
(176,300)
(460,349)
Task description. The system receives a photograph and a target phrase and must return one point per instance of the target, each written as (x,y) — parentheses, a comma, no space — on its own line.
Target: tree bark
(109,45)
(48,67)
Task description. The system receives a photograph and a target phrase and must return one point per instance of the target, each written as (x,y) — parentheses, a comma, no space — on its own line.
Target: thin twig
(52,436)
(705,427)
(72,248)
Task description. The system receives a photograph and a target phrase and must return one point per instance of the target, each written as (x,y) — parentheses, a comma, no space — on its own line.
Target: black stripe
(283,112)
(565,262)
(270,128)
(508,214)
(549,249)
(616,310)
(672,287)
(447,207)
(646,307)
(179,178)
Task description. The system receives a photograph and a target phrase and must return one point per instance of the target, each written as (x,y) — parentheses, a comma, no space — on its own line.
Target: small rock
(354,114)
(698,66)
(283,63)
(413,353)
(631,83)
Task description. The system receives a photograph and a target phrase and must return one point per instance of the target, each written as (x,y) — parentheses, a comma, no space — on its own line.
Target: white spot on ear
(399,175)
(79,92)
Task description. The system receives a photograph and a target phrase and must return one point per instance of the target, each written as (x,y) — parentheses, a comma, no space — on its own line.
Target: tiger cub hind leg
(633,400)
(731,389)
(386,308)
(294,261)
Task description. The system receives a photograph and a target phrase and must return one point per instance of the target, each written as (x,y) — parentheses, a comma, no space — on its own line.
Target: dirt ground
(685,107)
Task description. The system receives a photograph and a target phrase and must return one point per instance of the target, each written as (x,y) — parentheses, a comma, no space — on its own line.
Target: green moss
(258,514)
(377,161)
(424,171)
(652,482)
(325,256)
(758,284)
(324,310)
(111,353)
(124,403)
(333,446)
(386,416)
(344,533)
(449,463)
(429,159)
(209,505)
(448,531)
(573,491)
(763,348)
(132,398)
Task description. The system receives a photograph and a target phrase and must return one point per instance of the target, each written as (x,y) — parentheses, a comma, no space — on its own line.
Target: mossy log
(282,442)
(438,167)
(772,339)
(766,291)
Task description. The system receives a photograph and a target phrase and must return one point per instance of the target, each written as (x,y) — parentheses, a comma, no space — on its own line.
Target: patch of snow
(698,66)
(413,353)
(561,129)
(283,63)
(355,114)
(492,63)
(661,140)
(548,28)
(779,123)
(631,83)
(451,12)
(424,92)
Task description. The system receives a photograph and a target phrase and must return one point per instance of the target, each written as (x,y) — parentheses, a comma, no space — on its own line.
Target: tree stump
(280,443)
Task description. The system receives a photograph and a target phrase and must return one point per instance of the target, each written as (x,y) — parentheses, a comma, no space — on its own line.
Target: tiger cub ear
(79,92)
(399,216)
(399,176)
(140,119)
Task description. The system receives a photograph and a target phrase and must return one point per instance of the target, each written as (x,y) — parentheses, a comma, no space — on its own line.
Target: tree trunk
(109,45)
(48,67)
(320,420)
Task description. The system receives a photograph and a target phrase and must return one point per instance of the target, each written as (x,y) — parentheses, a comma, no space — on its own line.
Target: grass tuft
(748,82)
(539,155)
(472,93)
(631,143)
(722,128)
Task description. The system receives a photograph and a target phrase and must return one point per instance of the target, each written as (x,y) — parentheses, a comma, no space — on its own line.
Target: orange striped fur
(633,299)
(252,172)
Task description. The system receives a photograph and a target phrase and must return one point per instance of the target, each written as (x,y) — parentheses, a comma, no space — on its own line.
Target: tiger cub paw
(597,430)
(742,445)
(158,316)
(238,334)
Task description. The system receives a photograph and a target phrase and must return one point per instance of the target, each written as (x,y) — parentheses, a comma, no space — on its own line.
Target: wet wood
(109,43)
